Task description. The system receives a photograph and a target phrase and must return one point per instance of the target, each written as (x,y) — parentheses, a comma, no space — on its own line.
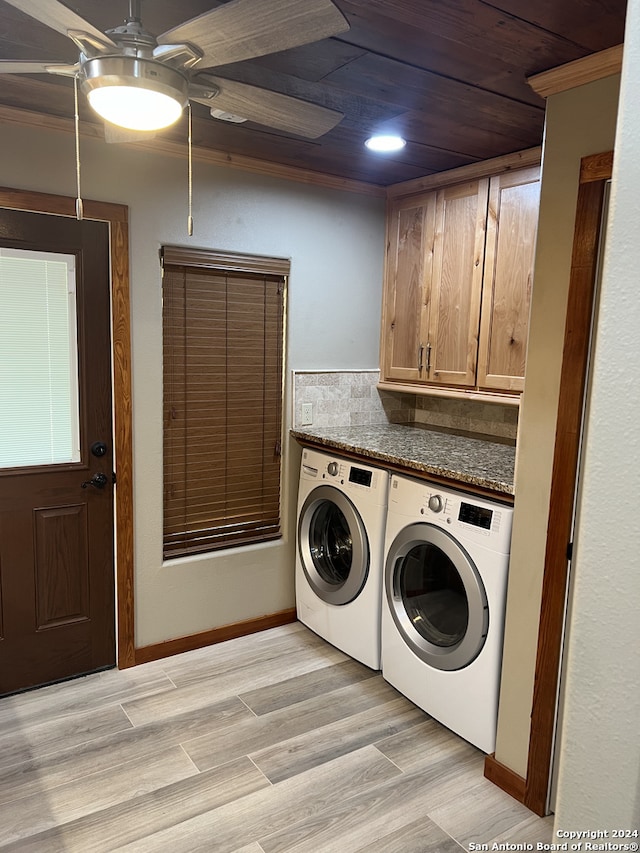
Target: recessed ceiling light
(385,143)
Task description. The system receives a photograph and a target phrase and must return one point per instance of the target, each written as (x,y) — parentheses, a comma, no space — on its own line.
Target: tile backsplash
(344,398)
(468,415)
(341,398)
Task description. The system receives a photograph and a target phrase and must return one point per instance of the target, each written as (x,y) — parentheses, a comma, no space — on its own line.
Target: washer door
(333,545)
(436,597)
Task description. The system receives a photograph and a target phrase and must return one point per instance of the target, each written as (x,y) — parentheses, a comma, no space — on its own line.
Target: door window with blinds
(39,419)
(223,350)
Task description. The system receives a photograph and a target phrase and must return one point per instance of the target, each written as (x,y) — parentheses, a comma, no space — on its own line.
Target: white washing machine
(340,552)
(445,585)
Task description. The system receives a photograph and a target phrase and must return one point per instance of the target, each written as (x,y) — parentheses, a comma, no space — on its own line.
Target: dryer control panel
(462,515)
(452,509)
(468,513)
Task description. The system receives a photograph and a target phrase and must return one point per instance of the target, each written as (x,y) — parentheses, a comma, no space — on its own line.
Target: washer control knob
(436,504)
(332,468)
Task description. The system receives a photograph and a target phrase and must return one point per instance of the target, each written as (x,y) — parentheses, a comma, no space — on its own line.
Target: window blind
(39,421)
(223,375)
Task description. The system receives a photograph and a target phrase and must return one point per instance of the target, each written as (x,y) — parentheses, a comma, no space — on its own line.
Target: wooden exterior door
(57,610)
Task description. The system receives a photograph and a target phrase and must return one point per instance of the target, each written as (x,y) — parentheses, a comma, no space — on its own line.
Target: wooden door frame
(116,215)
(595,171)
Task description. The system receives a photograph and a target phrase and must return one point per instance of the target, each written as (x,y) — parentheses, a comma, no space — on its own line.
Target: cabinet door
(508,274)
(456,284)
(409,261)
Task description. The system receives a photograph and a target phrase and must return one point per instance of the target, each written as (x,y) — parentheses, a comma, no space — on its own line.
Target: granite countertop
(475,461)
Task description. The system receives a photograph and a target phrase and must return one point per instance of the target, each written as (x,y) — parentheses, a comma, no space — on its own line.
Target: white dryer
(340,552)
(447,559)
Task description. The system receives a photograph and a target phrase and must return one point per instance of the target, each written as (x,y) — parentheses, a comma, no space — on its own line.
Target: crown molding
(482,169)
(605,63)
(28,118)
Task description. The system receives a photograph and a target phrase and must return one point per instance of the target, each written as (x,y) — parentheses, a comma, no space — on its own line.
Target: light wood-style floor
(273,743)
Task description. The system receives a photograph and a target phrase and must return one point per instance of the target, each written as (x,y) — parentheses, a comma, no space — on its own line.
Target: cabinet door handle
(420,354)
(428,357)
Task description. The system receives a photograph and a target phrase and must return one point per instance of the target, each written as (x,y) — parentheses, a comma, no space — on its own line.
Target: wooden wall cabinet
(405,310)
(512,220)
(458,284)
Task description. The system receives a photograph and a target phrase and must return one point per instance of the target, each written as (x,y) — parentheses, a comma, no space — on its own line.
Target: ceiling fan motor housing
(102,71)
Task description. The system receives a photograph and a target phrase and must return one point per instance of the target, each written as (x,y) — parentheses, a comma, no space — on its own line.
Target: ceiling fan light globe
(135,108)
(138,94)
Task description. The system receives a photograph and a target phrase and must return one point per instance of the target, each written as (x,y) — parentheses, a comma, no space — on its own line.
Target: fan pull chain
(190,217)
(79,206)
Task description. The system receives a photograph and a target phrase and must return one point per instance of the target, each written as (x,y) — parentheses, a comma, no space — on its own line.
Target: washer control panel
(343,473)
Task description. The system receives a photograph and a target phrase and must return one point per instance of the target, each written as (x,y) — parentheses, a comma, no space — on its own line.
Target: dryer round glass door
(436,597)
(333,545)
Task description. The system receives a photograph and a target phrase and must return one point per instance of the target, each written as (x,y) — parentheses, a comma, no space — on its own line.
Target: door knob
(98,480)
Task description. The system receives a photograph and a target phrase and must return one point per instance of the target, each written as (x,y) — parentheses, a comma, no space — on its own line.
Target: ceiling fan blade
(268,108)
(57,16)
(8,66)
(242,29)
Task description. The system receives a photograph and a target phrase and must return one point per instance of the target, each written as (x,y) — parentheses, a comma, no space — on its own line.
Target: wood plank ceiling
(448,75)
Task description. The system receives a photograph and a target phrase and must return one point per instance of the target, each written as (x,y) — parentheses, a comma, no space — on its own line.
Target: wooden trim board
(450,393)
(504,778)
(28,118)
(117,217)
(598,167)
(483,169)
(605,63)
(156,651)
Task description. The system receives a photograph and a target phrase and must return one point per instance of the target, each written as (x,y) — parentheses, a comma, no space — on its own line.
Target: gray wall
(335,241)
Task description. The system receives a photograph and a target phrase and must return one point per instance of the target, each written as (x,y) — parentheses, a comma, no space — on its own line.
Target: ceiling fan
(142,82)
